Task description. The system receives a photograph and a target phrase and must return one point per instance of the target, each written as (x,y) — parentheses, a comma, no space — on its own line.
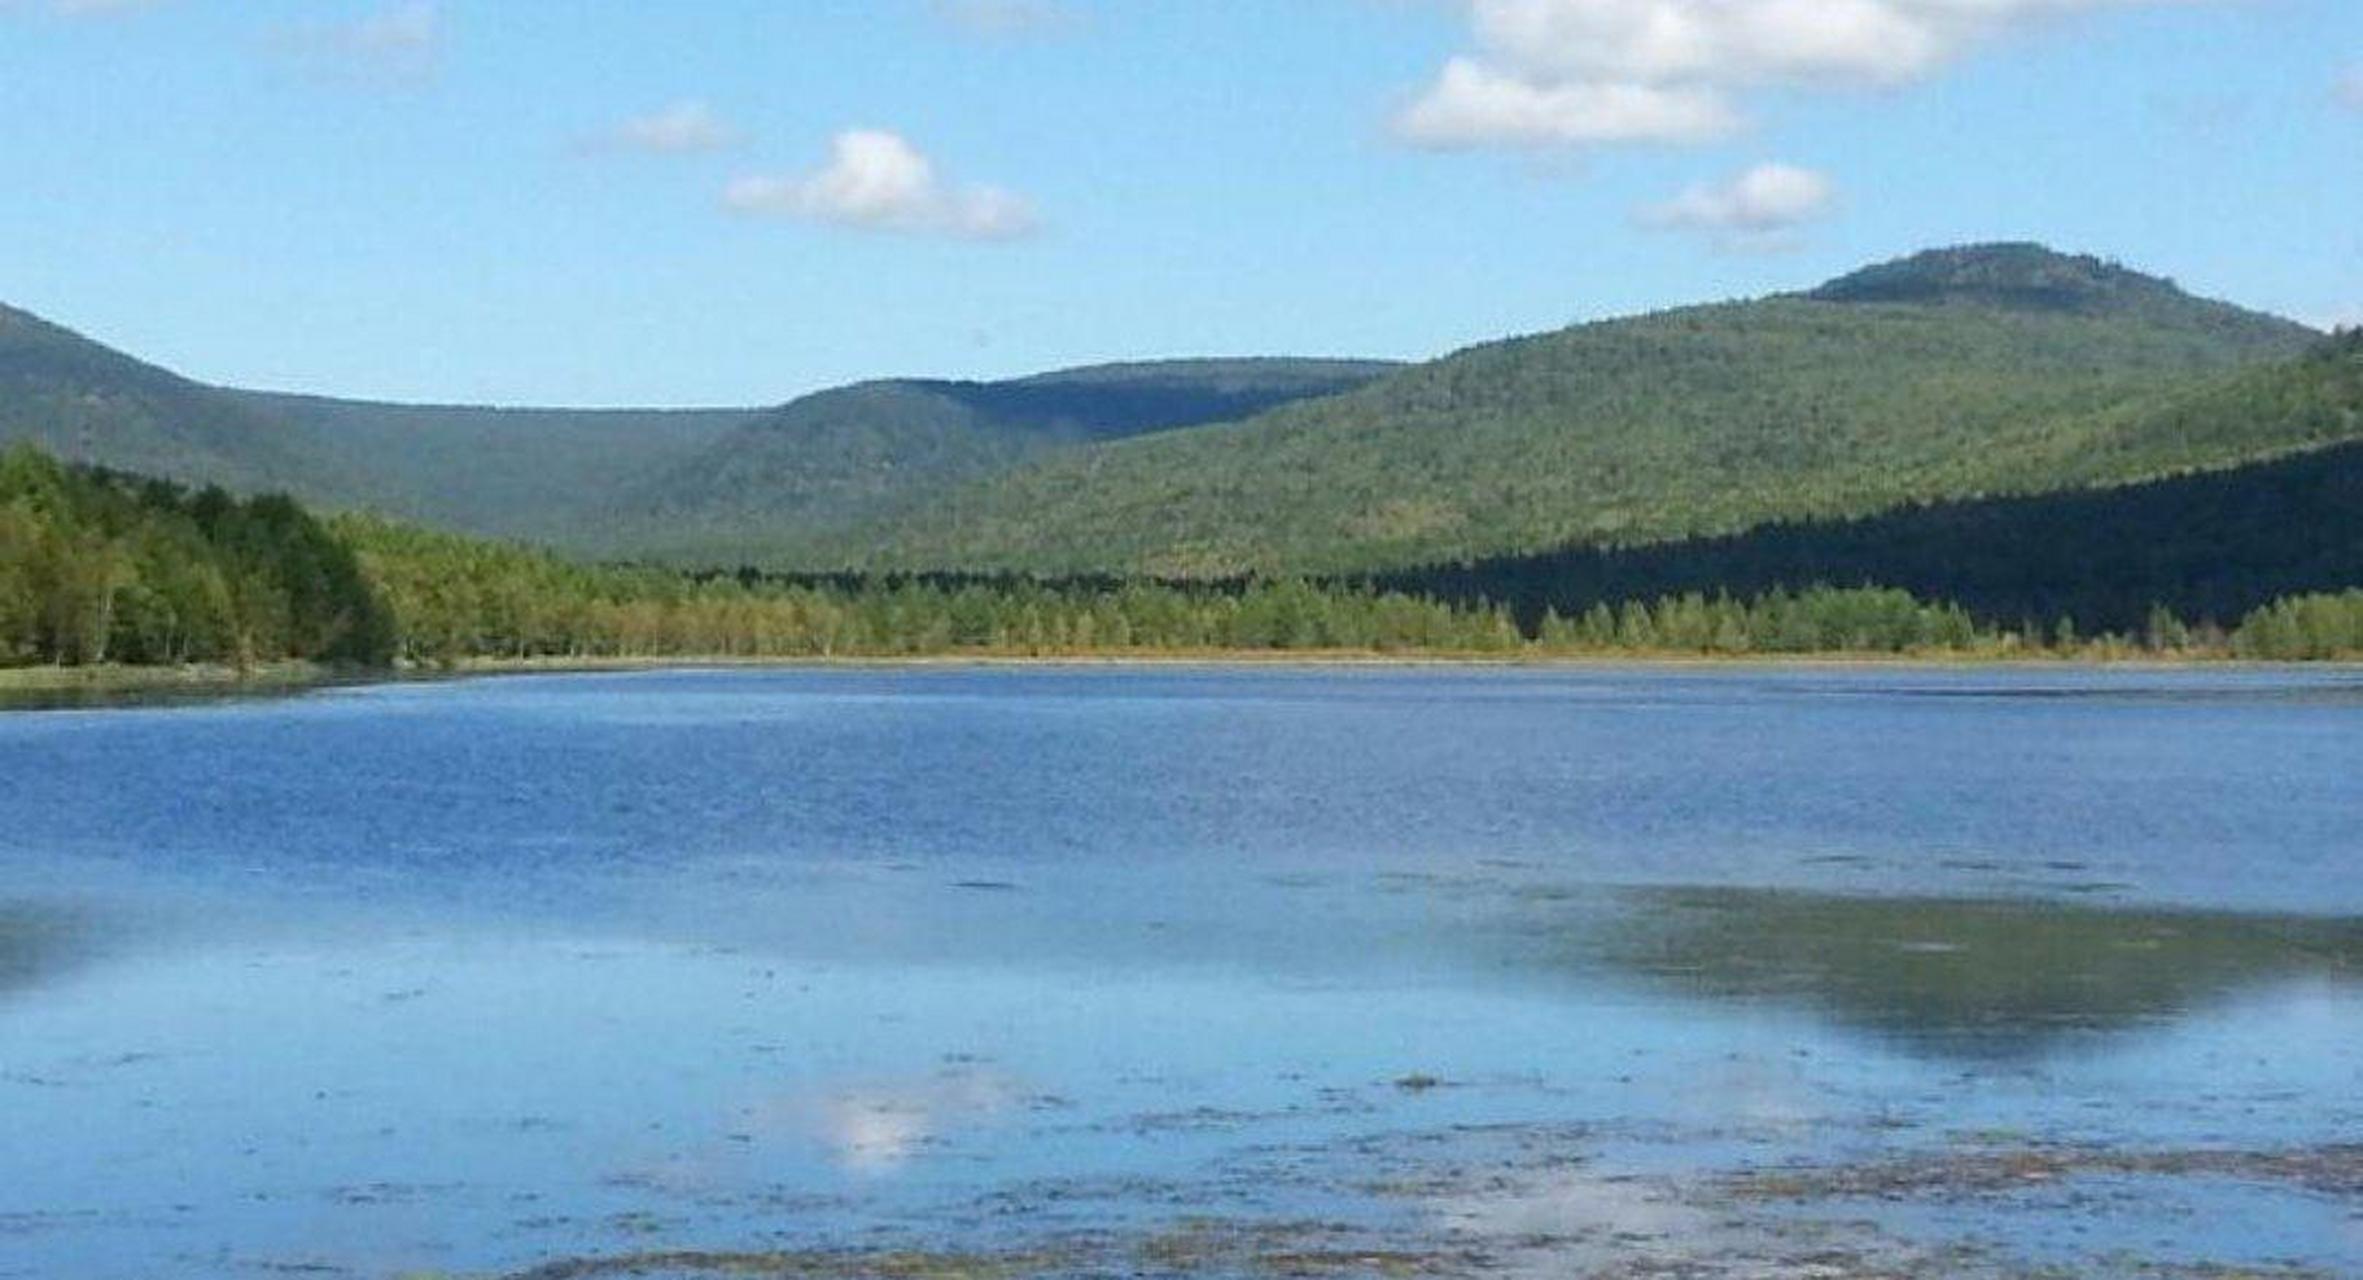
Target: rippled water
(1490,970)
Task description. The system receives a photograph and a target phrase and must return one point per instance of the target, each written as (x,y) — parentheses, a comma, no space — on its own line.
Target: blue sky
(736,201)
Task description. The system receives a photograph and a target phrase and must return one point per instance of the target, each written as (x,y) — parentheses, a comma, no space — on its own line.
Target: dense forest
(876,451)
(101,567)
(1967,373)
(1958,374)
(1953,374)
(76,398)
(98,567)
(694,484)
(2211,546)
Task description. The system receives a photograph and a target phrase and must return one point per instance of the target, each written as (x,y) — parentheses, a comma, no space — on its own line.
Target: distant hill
(700,483)
(82,400)
(507,472)
(1955,373)
(2207,545)
(796,475)
(538,474)
(2030,277)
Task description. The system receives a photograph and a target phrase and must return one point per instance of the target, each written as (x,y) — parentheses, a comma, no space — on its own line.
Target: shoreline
(47,686)
(193,678)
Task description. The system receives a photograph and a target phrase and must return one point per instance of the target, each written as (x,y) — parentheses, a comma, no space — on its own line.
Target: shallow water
(1506,971)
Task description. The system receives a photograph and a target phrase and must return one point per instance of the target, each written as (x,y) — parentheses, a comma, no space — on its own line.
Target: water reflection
(36,942)
(1961,978)
(476,976)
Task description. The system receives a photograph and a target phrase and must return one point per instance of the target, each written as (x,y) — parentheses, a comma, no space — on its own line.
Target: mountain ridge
(569,476)
(890,443)
(1954,372)
(1684,422)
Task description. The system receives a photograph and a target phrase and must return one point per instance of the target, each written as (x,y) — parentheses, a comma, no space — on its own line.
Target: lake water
(1175,971)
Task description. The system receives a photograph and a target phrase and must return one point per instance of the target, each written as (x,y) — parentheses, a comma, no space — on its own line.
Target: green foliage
(2008,370)
(100,567)
(544,474)
(457,598)
(2303,628)
(75,398)
(699,484)
(2027,276)
(1818,620)
(877,451)
(2204,547)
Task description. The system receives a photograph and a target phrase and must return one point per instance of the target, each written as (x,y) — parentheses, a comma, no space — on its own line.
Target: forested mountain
(538,473)
(795,477)
(1982,370)
(1955,374)
(2209,545)
(83,400)
(101,567)
(702,482)
(544,474)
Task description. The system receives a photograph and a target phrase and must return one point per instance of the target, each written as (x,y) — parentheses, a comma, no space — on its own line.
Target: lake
(944,971)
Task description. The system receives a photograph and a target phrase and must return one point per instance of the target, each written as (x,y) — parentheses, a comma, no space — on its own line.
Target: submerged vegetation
(101,568)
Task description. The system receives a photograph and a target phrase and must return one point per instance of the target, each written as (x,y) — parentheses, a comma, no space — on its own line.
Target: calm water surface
(1505,971)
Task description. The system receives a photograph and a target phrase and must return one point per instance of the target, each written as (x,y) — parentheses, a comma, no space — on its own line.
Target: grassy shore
(110,679)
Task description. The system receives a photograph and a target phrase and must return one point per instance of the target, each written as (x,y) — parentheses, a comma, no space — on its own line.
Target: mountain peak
(2020,276)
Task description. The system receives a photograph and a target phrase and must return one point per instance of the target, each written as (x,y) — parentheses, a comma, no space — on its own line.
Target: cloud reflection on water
(875,1129)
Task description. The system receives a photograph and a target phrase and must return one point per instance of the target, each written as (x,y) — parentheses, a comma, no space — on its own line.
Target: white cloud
(1476,104)
(876,180)
(683,128)
(1593,71)
(400,42)
(1758,209)
(1010,18)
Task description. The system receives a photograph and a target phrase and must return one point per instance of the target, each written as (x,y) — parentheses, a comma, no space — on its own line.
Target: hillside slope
(85,401)
(541,474)
(2206,545)
(1988,369)
(630,482)
(799,474)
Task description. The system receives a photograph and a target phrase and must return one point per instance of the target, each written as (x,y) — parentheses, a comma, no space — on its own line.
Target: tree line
(98,566)
(2209,547)
(101,567)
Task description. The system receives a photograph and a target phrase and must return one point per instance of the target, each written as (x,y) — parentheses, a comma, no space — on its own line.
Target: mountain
(1956,373)
(631,482)
(85,401)
(800,473)
(507,472)
(2205,545)
(2028,277)
(537,474)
